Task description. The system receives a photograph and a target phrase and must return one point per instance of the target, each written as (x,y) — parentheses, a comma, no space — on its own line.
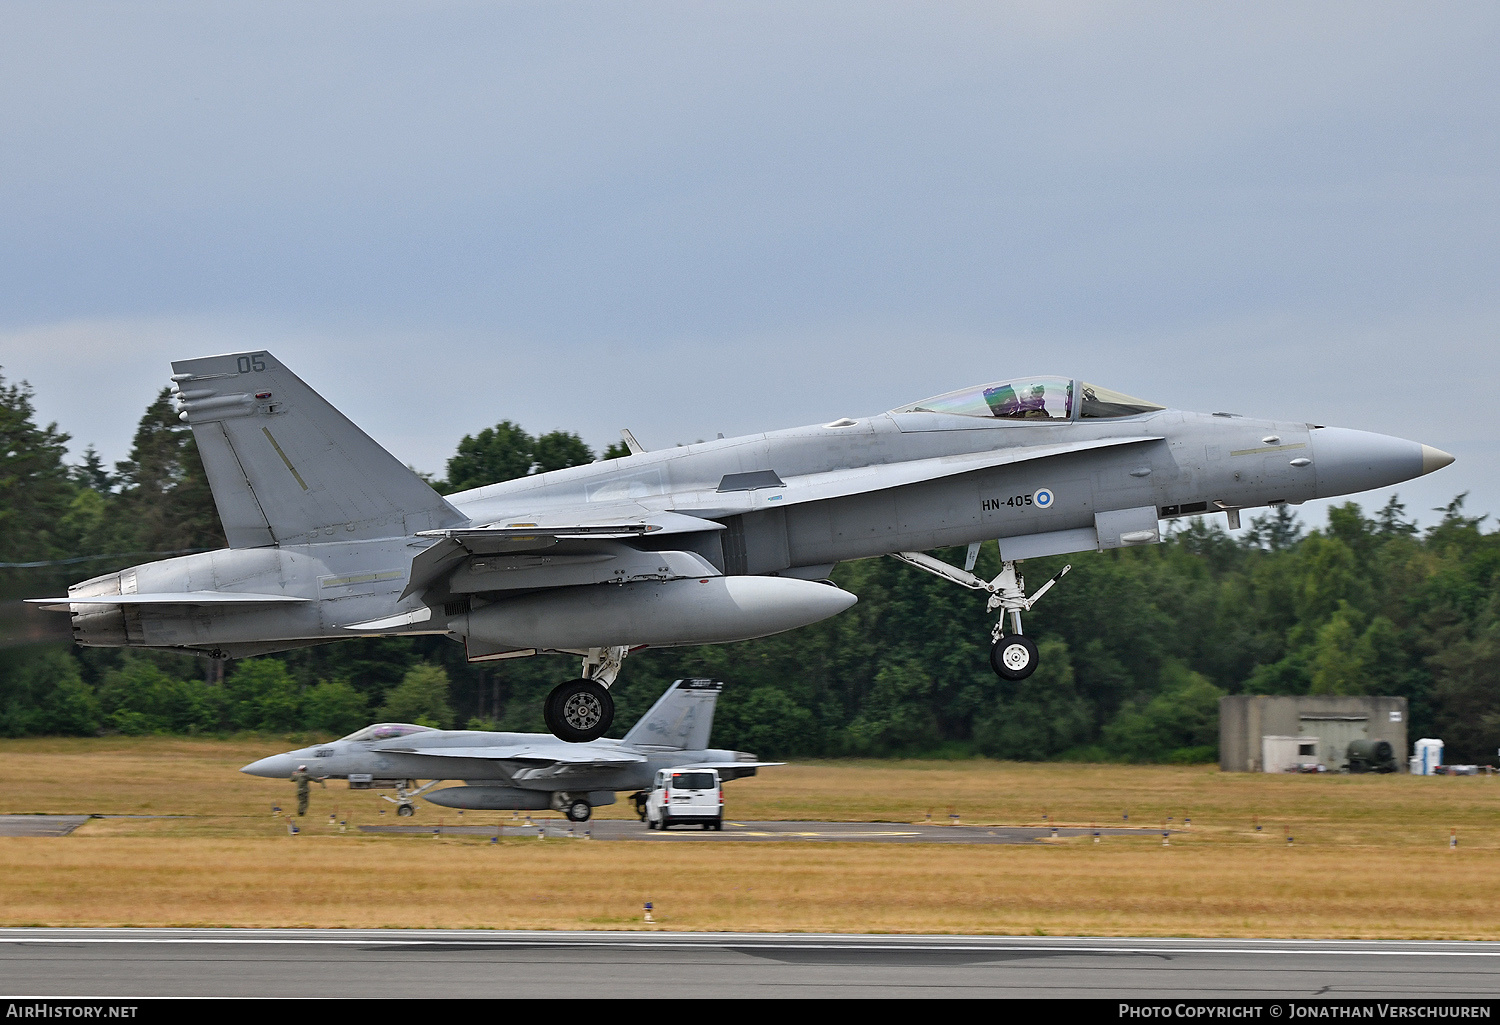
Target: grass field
(1370,859)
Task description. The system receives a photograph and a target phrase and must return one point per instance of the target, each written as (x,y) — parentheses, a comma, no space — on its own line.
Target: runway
(38,963)
(845,832)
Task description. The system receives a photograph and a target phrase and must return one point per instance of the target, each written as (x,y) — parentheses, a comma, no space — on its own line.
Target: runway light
(1096,834)
(648,912)
(1453,840)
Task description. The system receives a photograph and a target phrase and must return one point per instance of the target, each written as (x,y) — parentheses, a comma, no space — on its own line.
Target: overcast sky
(692,218)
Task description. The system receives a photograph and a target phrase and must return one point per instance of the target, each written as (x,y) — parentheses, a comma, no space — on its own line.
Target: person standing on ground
(303,779)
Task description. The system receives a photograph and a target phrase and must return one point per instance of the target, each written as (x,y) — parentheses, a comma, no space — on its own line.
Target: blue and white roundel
(1043,498)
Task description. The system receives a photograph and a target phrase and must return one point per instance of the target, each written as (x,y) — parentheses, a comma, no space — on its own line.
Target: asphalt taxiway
(36,963)
(836,832)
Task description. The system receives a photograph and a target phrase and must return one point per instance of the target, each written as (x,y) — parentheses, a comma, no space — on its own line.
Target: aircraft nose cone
(1348,461)
(1434,459)
(274,767)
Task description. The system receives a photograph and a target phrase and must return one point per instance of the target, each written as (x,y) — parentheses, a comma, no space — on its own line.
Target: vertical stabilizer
(286,467)
(681,719)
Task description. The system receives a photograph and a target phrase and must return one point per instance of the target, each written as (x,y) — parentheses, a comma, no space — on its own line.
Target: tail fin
(681,719)
(286,467)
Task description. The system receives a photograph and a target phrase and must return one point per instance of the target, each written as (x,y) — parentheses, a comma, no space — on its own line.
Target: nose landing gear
(1013,656)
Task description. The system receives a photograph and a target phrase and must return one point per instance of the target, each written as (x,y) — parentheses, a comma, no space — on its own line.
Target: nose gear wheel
(1013,657)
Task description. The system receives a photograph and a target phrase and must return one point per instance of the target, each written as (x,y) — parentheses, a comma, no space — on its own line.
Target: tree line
(1137,645)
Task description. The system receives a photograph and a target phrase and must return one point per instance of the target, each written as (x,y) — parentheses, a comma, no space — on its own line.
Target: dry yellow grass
(1371,856)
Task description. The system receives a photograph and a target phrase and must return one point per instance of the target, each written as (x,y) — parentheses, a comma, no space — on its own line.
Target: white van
(685,795)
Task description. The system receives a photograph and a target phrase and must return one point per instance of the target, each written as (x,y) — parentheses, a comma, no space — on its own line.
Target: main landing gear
(1013,655)
(581,710)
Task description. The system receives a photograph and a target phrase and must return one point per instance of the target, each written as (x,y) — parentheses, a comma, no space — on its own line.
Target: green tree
(506,452)
(42,692)
(499,453)
(139,698)
(1044,715)
(262,695)
(897,717)
(1338,658)
(33,480)
(421,697)
(1182,720)
(766,722)
(333,706)
(559,450)
(1466,691)
(164,491)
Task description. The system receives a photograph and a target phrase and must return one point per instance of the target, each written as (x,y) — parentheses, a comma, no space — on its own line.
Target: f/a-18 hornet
(331,536)
(525,771)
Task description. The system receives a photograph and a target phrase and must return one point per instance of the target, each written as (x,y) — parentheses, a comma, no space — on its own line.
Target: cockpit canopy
(1046,399)
(387,730)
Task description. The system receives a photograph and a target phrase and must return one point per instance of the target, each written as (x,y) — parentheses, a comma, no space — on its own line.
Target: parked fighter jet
(330,536)
(524,771)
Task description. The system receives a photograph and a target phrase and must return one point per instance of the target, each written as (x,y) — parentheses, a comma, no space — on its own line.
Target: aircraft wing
(576,524)
(164,598)
(725,766)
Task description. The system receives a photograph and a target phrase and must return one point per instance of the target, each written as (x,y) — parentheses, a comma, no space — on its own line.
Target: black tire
(579,811)
(664,823)
(1013,657)
(406,809)
(549,715)
(581,711)
(718,825)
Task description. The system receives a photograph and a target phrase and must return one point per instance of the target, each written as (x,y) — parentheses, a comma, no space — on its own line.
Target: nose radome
(274,767)
(1347,462)
(1434,459)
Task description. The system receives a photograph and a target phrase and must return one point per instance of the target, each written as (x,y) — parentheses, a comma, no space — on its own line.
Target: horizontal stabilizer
(166,598)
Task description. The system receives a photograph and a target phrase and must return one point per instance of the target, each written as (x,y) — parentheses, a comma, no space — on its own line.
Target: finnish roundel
(1043,498)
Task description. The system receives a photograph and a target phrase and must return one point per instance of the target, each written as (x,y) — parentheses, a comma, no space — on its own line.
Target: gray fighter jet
(330,536)
(524,771)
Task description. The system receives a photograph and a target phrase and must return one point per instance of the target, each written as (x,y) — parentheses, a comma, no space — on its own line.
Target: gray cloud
(738,217)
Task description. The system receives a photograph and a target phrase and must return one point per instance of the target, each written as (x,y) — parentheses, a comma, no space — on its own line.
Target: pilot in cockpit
(1034,405)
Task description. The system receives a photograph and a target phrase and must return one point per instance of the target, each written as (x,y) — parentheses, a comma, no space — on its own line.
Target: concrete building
(1246,720)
